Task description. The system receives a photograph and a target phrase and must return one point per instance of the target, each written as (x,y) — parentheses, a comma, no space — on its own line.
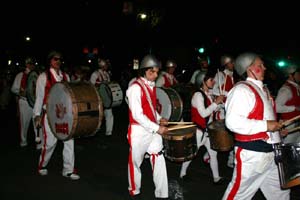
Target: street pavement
(102,164)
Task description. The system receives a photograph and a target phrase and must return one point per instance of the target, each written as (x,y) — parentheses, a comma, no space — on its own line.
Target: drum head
(59,111)
(106,95)
(163,103)
(169,104)
(30,87)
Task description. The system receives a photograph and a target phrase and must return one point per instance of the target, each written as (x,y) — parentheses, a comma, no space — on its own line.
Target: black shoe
(135,197)
(222,181)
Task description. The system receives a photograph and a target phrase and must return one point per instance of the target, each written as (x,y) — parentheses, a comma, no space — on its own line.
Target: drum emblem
(60,111)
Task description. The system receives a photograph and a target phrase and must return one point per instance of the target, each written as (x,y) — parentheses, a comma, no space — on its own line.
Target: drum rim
(172,105)
(110,94)
(30,100)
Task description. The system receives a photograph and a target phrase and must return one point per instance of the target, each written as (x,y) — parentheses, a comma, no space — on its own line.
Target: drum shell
(170,107)
(30,87)
(82,107)
(219,137)
(289,164)
(180,145)
(111,94)
(186,92)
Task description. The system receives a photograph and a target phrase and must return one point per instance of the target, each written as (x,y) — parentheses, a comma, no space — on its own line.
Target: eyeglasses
(56,58)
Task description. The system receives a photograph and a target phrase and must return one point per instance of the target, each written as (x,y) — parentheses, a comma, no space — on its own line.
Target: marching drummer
(25,110)
(167,78)
(250,115)
(144,131)
(203,62)
(99,76)
(203,107)
(44,82)
(224,82)
(288,101)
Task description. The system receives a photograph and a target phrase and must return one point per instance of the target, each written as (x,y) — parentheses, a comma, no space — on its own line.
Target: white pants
(141,142)
(48,148)
(203,140)
(109,121)
(25,117)
(253,171)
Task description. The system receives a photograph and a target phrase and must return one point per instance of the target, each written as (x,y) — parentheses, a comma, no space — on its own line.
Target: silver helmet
(243,61)
(292,68)
(29,60)
(225,59)
(102,62)
(171,63)
(199,79)
(149,61)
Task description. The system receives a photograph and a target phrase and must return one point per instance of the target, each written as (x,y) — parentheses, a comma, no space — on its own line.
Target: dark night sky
(231,27)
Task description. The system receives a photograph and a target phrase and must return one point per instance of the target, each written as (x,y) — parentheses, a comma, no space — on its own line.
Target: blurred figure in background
(25,111)
(167,78)
(288,101)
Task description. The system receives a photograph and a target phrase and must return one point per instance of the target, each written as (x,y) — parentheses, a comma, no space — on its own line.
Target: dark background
(175,29)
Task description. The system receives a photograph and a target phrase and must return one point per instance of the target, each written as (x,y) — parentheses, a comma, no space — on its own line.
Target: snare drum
(220,139)
(30,87)
(169,104)
(180,145)
(287,157)
(74,110)
(111,94)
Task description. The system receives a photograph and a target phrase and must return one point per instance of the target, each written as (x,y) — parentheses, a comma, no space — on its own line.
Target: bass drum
(180,145)
(111,94)
(169,104)
(30,87)
(287,157)
(186,92)
(74,110)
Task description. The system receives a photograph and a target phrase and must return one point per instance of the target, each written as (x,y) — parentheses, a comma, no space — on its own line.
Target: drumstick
(180,127)
(224,84)
(219,82)
(178,123)
(287,122)
(294,129)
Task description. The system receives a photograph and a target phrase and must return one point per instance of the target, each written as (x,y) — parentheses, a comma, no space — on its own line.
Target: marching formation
(225,109)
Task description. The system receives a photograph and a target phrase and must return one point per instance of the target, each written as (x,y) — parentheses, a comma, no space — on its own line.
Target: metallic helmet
(52,54)
(225,59)
(290,69)
(29,60)
(102,62)
(149,61)
(199,79)
(243,61)
(171,63)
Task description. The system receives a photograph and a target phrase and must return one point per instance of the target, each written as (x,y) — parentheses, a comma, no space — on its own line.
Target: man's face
(56,62)
(152,73)
(257,69)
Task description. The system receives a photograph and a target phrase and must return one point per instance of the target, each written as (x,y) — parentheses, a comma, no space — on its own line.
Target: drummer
(167,78)
(99,76)
(203,108)
(44,82)
(250,115)
(224,82)
(288,101)
(25,110)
